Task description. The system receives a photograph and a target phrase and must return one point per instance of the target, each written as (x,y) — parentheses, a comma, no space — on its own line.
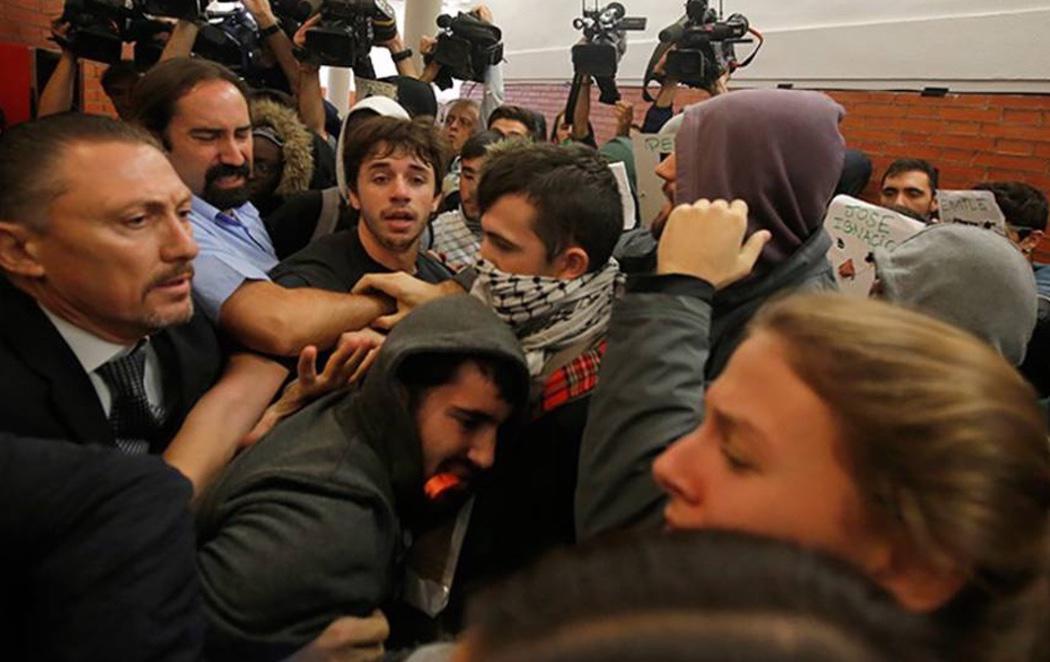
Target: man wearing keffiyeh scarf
(551,216)
(549,314)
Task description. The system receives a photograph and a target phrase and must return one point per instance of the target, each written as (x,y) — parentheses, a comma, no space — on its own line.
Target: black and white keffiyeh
(549,314)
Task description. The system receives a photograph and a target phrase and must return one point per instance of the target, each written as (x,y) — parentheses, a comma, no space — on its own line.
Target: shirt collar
(90,350)
(207,210)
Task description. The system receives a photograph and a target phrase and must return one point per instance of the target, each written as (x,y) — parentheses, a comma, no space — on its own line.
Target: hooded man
(314,522)
(287,158)
(780,152)
(966,276)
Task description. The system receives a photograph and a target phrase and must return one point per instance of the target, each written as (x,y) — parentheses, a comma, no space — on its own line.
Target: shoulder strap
(329,216)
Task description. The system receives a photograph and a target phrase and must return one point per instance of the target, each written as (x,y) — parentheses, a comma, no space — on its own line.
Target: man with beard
(394,169)
(313,523)
(198,110)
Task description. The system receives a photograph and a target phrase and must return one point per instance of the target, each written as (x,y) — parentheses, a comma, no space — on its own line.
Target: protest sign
(857,228)
(971,208)
(647,150)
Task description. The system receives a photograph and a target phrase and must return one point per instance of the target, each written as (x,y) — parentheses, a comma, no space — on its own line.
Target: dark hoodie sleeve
(650,392)
(283,556)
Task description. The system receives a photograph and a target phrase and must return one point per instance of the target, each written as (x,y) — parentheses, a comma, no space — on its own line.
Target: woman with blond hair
(890,439)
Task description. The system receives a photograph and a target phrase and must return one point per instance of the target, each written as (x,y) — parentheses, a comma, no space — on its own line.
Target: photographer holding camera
(57,95)
(465,117)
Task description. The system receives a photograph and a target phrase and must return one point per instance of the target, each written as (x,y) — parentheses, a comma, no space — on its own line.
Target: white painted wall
(975,45)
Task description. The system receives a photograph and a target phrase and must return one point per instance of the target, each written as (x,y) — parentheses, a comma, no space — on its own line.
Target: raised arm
(581,116)
(309,95)
(57,96)
(180,44)
(494,94)
(275,39)
(651,386)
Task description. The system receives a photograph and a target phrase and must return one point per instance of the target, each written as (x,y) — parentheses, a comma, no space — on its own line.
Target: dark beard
(224,199)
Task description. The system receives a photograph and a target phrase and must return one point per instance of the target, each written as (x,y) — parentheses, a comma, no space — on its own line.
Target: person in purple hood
(781,153)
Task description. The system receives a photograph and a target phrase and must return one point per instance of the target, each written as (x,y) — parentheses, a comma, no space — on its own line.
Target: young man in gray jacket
(314,522)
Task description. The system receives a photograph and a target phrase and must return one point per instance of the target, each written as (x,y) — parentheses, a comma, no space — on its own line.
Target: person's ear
(355,201)
(18,250)
(1029,243)
(439,197)
(918,584)
(572,263)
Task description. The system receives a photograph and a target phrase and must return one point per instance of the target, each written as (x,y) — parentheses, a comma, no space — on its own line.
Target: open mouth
(400,220)
(176,283)
(177,286)
(229,181)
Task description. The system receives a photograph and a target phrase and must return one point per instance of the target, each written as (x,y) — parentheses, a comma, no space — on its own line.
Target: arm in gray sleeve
(495,93)
(650,393)
(289,556)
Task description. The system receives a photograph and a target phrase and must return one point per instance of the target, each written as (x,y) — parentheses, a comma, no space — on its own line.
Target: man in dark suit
(99,342)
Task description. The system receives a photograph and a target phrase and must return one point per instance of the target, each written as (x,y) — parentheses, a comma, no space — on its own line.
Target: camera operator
(493,93)
(278,45)
(663,107)
(578,128)
(57,95)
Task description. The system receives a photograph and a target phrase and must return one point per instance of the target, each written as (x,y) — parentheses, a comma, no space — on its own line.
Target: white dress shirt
(93,352)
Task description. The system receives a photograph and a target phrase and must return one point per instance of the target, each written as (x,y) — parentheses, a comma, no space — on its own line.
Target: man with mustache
(198,110)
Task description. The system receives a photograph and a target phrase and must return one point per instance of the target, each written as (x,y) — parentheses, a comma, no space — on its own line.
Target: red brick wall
(970,137)
(28,22)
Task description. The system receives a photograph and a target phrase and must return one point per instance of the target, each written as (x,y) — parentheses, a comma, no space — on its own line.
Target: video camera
(347,32)
(99,28)
(230,37)
(466,47)
(598,55)
(704,46)
(605,39)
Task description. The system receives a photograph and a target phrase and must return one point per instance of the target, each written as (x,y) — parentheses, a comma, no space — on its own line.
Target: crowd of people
(280,385)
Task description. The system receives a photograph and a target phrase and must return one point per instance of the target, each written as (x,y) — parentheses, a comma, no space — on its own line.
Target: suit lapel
(34,337)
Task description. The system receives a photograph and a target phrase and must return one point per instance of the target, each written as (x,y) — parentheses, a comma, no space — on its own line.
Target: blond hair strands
(946,444)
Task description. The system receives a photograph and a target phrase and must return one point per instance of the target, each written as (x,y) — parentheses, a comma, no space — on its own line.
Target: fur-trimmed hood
(298,145)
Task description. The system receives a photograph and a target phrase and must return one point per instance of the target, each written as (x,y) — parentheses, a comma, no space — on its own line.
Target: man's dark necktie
(134,422)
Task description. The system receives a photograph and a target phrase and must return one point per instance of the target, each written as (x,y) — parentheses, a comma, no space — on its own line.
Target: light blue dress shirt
(234,247)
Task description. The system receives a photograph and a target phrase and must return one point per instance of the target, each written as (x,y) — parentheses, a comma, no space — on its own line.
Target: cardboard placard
(857,228)
(647,150)
(619,171)
(971,208)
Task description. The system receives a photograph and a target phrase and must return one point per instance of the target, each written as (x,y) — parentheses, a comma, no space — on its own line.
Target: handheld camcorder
(703,46)
(347,32)
(604,39)
(599,53)
(230,38)
(466,47)
(99,28)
